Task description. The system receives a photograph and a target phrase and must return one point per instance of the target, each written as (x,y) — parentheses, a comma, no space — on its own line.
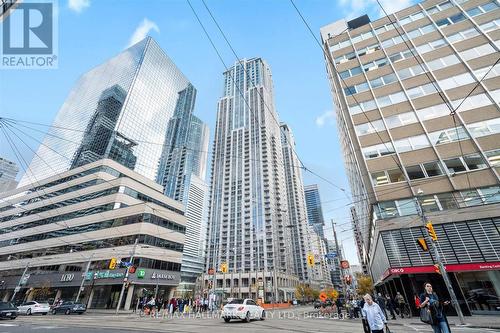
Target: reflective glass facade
(119,110)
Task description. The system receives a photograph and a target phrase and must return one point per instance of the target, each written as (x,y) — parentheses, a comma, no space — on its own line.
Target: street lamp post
(19,282)
(83,278)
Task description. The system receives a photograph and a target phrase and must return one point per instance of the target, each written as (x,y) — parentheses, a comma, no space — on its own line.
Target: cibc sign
(67,277)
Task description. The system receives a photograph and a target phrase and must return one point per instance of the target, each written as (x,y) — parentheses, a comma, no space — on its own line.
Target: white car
(244,309)
(33,307)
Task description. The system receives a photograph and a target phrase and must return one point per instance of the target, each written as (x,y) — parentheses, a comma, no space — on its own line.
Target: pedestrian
(381,302)
(373,314)
(391,306)
(400,303)
(429,300)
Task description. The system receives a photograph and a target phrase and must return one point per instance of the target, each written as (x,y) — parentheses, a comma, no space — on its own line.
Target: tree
(331,293)
(43,293)
(301,291)
(365,284)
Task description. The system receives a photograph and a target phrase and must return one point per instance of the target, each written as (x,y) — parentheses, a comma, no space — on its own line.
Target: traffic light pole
(83,279)
(125,279)
(19,282)
(442,268)
(339,260)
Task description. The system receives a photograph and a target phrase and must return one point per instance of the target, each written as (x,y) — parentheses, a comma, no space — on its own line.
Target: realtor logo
(29,36)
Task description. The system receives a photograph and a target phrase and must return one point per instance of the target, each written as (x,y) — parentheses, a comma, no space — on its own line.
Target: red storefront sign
(488,266)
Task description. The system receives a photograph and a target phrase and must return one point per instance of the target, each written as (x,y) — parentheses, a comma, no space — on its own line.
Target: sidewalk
(476,321)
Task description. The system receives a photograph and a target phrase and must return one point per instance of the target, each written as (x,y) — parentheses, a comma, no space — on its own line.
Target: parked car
(244,309)
(69,307)
(32,307)
(8,310)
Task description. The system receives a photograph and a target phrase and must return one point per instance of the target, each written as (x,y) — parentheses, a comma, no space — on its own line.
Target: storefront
(100,289)
(476,285)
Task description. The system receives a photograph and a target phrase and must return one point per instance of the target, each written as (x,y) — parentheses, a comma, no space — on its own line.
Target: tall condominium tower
(314,210)
(296,204)
(117,110)
(182,172)
(248,202)
(417,101)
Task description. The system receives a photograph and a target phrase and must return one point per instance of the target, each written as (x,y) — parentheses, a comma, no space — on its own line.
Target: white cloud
(355,8)
(78,5)
(142,31)
(328,117)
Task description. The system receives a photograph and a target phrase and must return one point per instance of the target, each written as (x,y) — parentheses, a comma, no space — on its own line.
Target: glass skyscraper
(314,210)
(119,110)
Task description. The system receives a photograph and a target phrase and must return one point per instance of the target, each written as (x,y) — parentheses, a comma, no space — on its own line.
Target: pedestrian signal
(437,269)
(223,267)
(112,263)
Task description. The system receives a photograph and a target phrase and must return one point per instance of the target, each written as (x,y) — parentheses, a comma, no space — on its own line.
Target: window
(486,127)
(393,41)
(434,111)
(375,64)
(350,90)
(493,72)
(493,157)
(427,47)
(363,36)
(448,135)
(411,18)
(415,172)
(372,127)
(461,35)
(362,107)
(340,45)
(401,55)
(477,51)
(391,99)
(419,91)
(395,175)
(490,25)
(411,143)
(454,165)
(433,169)
(386,79)
(387,209)
(471,198)
(379,178)
(345,58)
(474,162)
(451,20)
(406,207)
(421,31)
(490,194)
(369,49)
(350,72)
(440,7)
(443,62)
(472,102)
(482,8)
(401,119)
(378,150)
(384,28)
(447,201)
(388,176)
(456,81)
(411,71)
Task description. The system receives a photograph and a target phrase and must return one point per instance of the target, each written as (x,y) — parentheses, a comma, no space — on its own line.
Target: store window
(481,290)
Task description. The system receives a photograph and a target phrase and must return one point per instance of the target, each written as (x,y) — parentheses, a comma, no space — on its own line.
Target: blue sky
(91,31)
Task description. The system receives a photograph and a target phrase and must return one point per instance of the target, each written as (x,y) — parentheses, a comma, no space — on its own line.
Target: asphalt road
(293,321)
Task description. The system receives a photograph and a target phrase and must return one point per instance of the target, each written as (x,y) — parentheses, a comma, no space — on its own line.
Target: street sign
(211,271)
(323,297)
(331,255)
(344,264)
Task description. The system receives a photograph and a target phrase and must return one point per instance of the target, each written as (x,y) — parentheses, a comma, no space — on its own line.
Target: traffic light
(132,269)
(437,269)
(423,244)
(431,231)
(112,263)
(310,260)
(223,267)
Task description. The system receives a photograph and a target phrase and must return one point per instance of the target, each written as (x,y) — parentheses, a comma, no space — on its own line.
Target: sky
(91,31)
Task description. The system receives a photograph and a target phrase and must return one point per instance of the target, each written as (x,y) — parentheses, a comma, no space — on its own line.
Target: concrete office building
(314,210)
(52,229)
(8,174)
(395,82)
(358,239)
(320,276)
(248,217)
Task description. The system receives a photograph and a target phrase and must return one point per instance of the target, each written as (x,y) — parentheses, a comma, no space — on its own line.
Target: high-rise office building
(182,172)
(417,102)
(117,110)
(248,215)
(358,239)
(296,204)
(314,210)
(320,275)
(8,174)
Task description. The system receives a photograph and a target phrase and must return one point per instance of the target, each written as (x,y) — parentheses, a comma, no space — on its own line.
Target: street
(298,320)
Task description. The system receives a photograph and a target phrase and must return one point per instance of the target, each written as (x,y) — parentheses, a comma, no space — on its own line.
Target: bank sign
(104,275)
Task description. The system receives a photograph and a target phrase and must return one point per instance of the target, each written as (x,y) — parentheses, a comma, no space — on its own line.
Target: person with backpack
(429,302)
